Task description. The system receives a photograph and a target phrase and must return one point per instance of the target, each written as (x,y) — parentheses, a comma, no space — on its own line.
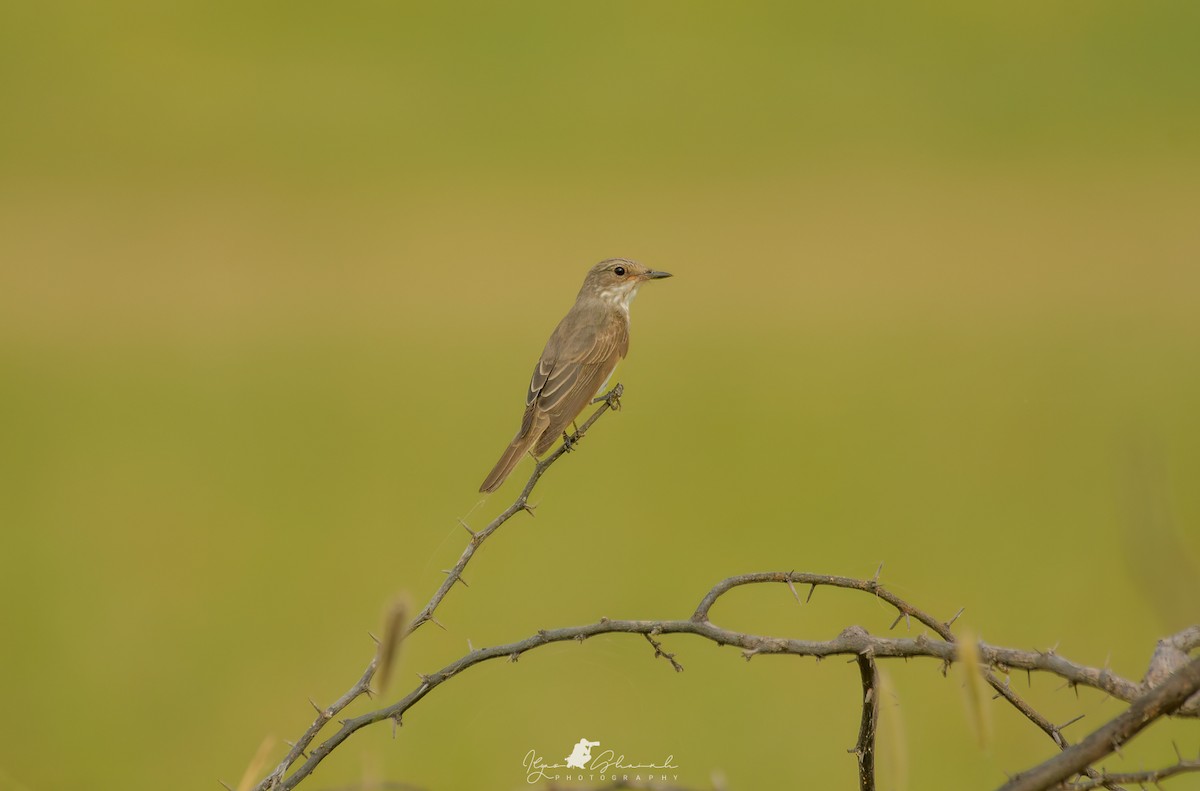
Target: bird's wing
(591,378)
(569,374)
(570,362)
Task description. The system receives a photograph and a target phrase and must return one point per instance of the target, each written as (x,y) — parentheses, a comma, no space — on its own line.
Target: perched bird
(578,360)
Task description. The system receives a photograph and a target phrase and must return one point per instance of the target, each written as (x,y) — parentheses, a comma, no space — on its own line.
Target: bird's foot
(569,441)
(612,398)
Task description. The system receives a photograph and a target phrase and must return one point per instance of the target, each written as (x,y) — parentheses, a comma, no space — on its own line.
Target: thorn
(464,527)
(898,617)
(457,577)
(514,656)
(439,623)
(1178,754)
(227,786)
(1071,722)
(811,591)
(320,711)
(528,508)
(293,746)
(470,647)
(396,723)
(793,589)
(875,579)
(424,678)
(950,622)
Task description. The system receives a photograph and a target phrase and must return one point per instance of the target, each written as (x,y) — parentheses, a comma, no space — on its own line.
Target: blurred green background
(273,276)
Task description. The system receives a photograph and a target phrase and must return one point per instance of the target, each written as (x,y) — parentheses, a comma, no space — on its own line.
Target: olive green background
(273,276)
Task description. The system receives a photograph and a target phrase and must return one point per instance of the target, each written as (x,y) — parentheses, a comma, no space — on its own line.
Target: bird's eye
(619,271)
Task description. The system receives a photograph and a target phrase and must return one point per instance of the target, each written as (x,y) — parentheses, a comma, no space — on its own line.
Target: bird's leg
(569,442)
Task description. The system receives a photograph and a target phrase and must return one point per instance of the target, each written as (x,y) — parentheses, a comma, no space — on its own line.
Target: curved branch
(853,641)
(610,401)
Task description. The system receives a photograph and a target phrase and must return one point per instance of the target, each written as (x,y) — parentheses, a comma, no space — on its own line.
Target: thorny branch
(864,749)
(1149,777)
(1162,700)
(853,641)
(1169,686)
(611,400)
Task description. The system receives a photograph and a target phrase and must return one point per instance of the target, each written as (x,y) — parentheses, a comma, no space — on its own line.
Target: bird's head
(617,280)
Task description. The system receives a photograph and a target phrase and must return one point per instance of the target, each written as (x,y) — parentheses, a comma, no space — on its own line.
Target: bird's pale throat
(619,296)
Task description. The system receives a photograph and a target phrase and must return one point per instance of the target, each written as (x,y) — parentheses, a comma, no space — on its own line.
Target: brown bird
(578,360)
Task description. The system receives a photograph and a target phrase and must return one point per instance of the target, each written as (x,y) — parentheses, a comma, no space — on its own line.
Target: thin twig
(658,651)
(1149,777)
(611,400)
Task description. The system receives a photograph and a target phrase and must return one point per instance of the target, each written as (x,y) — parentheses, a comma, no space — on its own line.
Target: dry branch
(864,749)
(853,642)
(1158,702)
(1169,685)
(453,575)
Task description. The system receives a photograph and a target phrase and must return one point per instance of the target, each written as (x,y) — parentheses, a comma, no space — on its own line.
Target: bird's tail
(510,459)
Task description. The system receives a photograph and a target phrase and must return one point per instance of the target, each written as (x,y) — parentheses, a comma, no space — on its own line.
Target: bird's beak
(654,274)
